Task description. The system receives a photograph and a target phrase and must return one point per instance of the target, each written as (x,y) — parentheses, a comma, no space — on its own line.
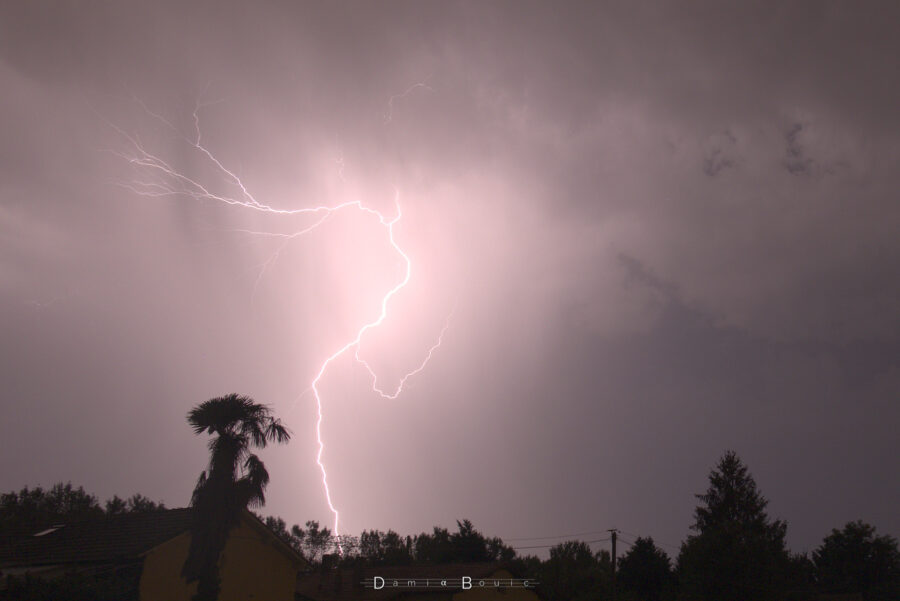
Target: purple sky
(668,230)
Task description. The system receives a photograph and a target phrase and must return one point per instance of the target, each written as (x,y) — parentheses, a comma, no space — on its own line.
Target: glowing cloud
(161,179)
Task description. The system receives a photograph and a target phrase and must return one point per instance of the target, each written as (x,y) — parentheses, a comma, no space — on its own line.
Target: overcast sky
(659,230)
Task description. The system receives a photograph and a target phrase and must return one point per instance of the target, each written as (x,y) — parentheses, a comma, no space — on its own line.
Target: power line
(590,532)
(588,542)
(558,535)
(631,534)
(656,542)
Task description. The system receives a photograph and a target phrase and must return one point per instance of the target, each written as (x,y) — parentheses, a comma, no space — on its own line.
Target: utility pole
(614,532)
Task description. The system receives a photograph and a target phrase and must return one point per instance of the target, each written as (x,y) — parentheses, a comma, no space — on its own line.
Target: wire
(588,542)
(559,535)
(656,542)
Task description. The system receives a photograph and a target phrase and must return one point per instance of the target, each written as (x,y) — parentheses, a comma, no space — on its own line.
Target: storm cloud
(660,231)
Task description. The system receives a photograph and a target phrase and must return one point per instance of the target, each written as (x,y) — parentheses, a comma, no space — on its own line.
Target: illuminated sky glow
(163,180)
(659,230)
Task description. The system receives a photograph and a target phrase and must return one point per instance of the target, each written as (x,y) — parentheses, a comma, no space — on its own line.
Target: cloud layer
(667,231)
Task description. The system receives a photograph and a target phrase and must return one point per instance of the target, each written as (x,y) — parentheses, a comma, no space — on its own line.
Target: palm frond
(256,472)
(248,493)
(195,496)
(254,429)
(203,417)
(277,432)
(224,414)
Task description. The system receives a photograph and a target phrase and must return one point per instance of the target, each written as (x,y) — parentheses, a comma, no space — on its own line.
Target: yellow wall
(251,567)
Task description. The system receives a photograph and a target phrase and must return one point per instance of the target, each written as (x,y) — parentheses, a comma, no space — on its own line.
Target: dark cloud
(667,230)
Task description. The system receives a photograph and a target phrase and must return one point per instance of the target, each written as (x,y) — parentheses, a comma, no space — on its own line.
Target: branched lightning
(389,114)
(161,179)
(402,382)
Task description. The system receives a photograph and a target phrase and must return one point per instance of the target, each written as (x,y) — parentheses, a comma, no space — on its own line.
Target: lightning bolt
(402,382)
(161,179)
(389,114)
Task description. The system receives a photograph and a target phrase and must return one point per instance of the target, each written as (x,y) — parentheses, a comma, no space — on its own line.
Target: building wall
(490,593)
(251,567)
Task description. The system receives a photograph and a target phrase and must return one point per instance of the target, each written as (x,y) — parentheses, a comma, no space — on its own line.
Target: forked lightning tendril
(160,178)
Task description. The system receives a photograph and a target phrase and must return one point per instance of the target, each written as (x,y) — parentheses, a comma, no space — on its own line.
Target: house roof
(344,584)
(119,538)
(109,539)
(254,521)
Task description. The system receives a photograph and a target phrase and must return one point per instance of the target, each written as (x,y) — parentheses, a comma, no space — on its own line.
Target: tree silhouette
(737,553)
(854,560)
(137,503)
(468,544)
(645,570)
(384,548)
(434,548)
(574,573)
(316,540)
(234,479)
(293,537)
(465,545)
(32,509)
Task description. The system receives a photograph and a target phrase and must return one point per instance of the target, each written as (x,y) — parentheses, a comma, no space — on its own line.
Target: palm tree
(235,479)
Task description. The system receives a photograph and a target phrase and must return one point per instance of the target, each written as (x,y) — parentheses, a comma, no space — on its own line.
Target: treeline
(377,548)
(851,560)
(736,552)
(31,510)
